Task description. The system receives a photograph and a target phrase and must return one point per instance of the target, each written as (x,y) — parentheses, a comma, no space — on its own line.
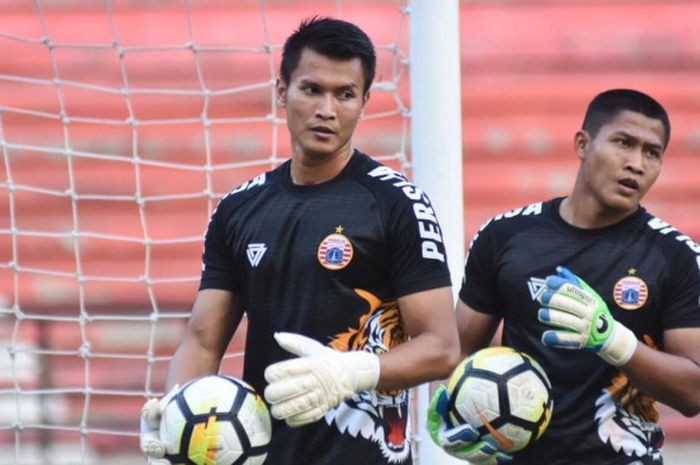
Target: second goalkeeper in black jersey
(601,292)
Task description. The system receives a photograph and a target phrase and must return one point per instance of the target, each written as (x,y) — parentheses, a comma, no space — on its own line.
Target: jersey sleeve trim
(216,282)
(425,284)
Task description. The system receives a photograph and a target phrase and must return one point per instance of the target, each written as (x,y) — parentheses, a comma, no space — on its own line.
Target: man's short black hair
(333,38)
(607,105)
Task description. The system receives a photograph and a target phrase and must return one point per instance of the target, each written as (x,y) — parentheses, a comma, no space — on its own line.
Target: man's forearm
(670,379)
(190,361)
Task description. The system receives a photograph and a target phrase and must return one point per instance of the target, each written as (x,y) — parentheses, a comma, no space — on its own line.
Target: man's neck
(307,169)
(586,213)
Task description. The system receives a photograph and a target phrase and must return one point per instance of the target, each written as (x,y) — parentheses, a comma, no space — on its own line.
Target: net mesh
(121,125)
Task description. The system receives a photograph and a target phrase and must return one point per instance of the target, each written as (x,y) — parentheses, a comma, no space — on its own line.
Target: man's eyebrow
(307,81)
(622,132)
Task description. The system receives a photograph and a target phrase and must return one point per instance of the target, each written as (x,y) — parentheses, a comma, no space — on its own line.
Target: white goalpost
(437,150)
(122,123)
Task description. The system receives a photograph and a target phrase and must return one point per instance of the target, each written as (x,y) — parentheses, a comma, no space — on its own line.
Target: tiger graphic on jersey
(380,416)
(627,418)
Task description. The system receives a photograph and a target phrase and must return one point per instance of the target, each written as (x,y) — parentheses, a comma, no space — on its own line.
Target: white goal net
(122,122)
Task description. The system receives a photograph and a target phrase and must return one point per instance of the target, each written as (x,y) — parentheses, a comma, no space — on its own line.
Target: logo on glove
(602,324)
(580,293)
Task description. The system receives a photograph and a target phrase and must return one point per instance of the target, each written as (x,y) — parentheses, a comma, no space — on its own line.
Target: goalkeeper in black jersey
(601,292)
(338,263)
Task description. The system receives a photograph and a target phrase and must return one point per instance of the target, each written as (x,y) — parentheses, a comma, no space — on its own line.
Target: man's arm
(476,329)
(433,349)
(215,317)
(672,376)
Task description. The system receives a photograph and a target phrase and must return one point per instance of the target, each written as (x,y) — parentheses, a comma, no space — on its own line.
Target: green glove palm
(461,441)
(582,319)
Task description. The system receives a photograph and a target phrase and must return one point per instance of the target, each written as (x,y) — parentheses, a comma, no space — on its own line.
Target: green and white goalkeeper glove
(461,441)
(583,320)
(304,389)
(151,414)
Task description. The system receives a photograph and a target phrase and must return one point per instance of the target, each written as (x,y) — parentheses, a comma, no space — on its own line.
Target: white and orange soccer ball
(503,394)
(216,420)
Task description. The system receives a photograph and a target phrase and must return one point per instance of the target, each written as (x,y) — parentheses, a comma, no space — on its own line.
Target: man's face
(623,161)
(324,100)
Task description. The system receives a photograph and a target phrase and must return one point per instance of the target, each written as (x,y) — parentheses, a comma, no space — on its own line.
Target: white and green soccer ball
(502,393)
(216,420)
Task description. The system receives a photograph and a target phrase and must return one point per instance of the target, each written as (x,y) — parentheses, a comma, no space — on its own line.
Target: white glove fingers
(562,319)
(460,435)
(150,414)
(281,371)
(149,439)
(159,462)
(289,388)
(304,418)
(151,445)
(303,389)
(481,453)
(563,339)
(571,304)
(300,404)
(299,345)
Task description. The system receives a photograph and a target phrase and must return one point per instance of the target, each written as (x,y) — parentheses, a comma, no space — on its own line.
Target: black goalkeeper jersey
(648,274)
(328,261)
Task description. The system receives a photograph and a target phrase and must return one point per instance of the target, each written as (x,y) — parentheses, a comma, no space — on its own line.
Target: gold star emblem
(339,229)
(632,272)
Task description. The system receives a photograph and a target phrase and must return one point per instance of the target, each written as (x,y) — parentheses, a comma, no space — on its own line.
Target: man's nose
(326,107)
(635,161)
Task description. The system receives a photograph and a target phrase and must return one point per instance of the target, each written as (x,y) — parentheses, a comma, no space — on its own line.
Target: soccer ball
(503,394)
(216,420)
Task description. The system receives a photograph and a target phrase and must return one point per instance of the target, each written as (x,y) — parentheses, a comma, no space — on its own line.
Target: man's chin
(624,205)
(320,151)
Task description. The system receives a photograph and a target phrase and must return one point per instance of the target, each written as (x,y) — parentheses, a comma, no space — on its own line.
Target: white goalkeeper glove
(302,390)
(151,414)
(583,320)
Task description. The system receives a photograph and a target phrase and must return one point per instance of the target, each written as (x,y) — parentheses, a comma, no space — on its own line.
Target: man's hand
(303,389)
(151,414)
(460,441)
(583,319)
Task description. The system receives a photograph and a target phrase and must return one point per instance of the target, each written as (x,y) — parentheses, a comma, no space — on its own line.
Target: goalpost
(121,125)
(437,150)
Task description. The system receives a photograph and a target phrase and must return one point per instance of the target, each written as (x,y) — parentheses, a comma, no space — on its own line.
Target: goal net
(122,122)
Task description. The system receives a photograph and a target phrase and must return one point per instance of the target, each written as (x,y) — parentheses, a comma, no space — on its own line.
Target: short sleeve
(682,309)
(218,265)
(416,251)
(479,285)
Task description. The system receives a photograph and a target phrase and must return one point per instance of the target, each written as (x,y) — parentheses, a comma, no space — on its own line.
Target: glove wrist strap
(621,346)
(367,370)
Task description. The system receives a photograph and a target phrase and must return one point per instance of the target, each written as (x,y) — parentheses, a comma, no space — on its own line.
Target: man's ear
(581,141)
(365,98)
(281,92)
